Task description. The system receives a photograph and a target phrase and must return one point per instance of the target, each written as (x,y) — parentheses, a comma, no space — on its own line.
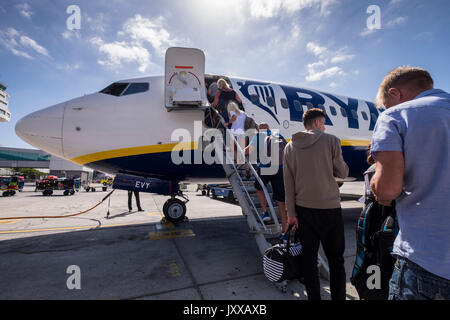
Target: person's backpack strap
(367,184)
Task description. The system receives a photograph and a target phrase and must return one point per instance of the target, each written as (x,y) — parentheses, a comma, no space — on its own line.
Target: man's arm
(289,189)
(387,182)
(340,168)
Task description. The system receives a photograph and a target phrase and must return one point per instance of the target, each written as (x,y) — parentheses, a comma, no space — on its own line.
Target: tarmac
(209,256)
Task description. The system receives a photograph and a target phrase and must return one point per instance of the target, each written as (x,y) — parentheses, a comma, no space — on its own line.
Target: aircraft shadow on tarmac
(220,261)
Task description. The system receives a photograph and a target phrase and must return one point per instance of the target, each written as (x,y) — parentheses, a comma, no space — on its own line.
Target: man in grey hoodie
(311,161)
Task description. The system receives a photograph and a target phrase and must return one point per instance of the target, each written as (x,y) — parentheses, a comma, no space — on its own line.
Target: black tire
(203,192)
(213,194)
(66,192)
(72,192)
(174,210)
(104,188)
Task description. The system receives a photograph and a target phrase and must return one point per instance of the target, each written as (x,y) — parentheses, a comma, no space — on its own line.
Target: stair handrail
(253,171)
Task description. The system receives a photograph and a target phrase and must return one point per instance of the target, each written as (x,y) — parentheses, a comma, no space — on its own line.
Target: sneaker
(266,217)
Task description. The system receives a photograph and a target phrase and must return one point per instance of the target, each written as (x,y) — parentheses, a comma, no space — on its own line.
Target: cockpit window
(136,88)
(115,89)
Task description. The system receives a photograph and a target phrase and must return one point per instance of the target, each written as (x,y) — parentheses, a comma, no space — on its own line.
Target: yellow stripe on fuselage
(168,147)
(133,151)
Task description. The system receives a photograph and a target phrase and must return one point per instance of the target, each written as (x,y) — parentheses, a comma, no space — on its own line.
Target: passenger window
(115,89)
(271,101)
(321,107)
(284,103)
(309,105)
(255,98)
(344,113)
(333,110)
(136,88)
(297,106)
(354,114)
(364,115)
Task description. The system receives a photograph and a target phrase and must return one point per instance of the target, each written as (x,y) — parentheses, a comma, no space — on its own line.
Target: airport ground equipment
(225,191)
(48,186)
(94,186)
(10,184)
(174,209)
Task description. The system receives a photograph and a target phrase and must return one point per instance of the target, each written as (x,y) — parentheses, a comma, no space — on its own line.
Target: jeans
(322,226)
(409,281)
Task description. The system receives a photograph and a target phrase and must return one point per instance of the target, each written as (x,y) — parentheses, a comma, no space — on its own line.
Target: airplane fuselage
(133,133)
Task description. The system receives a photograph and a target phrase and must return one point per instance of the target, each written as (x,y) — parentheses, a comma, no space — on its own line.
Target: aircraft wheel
(174,210)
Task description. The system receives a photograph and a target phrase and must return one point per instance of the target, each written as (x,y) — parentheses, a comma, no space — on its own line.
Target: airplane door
(184,78)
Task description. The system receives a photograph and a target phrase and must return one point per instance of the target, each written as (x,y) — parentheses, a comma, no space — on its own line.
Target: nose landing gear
(175,209)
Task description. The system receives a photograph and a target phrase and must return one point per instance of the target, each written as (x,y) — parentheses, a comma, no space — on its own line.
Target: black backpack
(279,142)
(375,234)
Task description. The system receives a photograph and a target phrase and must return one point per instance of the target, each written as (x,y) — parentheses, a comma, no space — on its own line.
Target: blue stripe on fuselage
(160,165)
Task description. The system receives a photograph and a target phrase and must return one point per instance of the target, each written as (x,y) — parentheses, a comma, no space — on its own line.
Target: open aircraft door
(185,78)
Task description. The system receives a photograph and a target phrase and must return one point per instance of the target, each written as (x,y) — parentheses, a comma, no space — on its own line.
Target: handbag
(283,261)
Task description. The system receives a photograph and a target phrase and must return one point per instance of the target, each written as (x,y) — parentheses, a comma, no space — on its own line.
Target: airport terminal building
(11,158)
(5,114)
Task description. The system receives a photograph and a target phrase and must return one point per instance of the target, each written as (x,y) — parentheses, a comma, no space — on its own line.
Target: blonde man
(411,148)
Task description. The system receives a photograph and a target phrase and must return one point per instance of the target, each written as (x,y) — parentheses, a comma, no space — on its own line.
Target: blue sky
(322,44)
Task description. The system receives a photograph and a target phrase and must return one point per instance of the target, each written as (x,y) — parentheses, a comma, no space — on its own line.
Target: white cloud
(315,48)
(144,30)
(25,10)
(28,42)
(394,2)
(118,52)
(137,32)
(395,22)
(327,73)
(272,8)
(326,67)
(17,43)
(342,58)
(70,34)
(367,32)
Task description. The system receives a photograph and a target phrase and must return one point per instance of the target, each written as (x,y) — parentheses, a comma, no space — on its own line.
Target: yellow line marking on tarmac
(170,234)
(64,228)
(154,214)
(173,269)
(10,221)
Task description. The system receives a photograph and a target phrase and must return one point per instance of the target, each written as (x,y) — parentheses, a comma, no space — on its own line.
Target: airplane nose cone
(43,129)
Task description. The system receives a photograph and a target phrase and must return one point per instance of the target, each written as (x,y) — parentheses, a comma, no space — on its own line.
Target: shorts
(277,182)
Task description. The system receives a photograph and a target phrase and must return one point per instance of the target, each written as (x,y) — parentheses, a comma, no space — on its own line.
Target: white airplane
(127,127)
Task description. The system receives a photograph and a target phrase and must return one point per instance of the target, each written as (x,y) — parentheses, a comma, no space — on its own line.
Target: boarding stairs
(266,234)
